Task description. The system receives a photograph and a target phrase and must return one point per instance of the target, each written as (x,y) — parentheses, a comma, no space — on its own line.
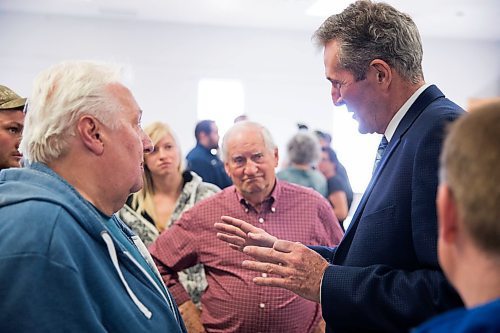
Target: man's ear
(90,131)
(203,138)
(276,157)
(447,215)
(226,168)
(382,71)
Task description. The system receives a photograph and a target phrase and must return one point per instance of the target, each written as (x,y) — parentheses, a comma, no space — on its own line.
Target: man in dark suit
(202,161)
(384,276)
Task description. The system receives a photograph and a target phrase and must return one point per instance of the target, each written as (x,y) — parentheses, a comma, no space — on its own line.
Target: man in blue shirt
(469,222)
(67,263)
(202,161)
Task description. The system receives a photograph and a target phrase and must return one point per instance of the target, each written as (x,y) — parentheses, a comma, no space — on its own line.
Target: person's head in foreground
(468,205)
(469,221)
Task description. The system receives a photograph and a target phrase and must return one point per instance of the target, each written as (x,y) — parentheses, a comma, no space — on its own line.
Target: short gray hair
(264,132)
(366,31)
(61,95)
(304,148)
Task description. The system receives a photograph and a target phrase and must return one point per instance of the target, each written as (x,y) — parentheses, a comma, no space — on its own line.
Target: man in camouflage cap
(11,127)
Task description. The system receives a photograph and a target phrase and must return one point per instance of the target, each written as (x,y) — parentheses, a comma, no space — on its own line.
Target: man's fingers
(271,282)
(244,226)
(266,267)
(232,240)
(235,247)
(262,238)
(229,229)
(284,246)
(265,254)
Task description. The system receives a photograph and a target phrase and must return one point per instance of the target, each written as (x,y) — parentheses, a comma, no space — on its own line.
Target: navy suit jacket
(384,275)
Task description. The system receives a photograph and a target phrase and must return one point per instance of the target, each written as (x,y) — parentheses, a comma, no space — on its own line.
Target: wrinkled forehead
(248,149)
(245,138)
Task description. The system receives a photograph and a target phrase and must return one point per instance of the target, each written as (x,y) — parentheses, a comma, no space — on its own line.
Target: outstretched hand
(239,234)
(289,265)
(286,264)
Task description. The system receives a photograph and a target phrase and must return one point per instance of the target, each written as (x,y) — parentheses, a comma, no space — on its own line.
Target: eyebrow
(333,80)
(13,123)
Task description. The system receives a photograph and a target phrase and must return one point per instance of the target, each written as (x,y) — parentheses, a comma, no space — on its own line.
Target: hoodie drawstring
(114,258)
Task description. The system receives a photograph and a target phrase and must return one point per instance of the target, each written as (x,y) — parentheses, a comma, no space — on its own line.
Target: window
(220,100)
(356,151)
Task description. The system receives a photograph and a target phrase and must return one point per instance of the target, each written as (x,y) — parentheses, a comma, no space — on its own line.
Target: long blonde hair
(142,201)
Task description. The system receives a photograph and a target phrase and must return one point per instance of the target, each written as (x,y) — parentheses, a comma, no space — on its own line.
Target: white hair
(237,127)
(61,95)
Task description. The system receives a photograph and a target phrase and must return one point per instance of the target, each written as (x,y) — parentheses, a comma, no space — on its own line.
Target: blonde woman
(168,191)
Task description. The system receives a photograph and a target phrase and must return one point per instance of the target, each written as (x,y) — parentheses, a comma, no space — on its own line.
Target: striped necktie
(380,152)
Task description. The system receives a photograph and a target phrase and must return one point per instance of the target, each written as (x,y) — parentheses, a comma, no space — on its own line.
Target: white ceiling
(476,19)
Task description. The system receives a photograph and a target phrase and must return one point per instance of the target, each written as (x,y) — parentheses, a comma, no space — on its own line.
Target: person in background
(67,263)
(202,161)
(168,191)
(231,303)
(384,276)
(325,141)
(339,193)
(302,127)
(241,117)
(11,127)
(303,152)
(469,222)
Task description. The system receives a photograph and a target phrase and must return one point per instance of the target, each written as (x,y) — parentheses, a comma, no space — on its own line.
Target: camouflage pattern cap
(10,100)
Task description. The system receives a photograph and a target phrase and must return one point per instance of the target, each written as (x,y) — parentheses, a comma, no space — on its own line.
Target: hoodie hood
(36,182)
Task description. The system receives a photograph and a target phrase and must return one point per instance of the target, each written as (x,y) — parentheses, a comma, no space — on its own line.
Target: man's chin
(253,189)
(363,130)
(137,187)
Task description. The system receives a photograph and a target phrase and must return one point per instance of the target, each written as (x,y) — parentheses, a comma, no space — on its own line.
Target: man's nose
(18,142)
(337,97)
(147,144)
(250,168)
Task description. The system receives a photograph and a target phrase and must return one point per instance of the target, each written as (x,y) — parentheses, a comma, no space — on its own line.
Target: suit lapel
(426,97)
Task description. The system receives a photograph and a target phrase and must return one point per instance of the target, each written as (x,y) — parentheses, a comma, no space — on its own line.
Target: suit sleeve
(324,251)
(380,297)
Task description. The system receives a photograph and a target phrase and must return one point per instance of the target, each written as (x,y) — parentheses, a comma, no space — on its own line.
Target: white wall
(281,71)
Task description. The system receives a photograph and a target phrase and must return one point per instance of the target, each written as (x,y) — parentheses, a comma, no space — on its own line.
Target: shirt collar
(268,202)
(393,124)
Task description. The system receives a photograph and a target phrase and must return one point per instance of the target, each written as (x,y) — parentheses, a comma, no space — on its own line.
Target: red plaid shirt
(232,302)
